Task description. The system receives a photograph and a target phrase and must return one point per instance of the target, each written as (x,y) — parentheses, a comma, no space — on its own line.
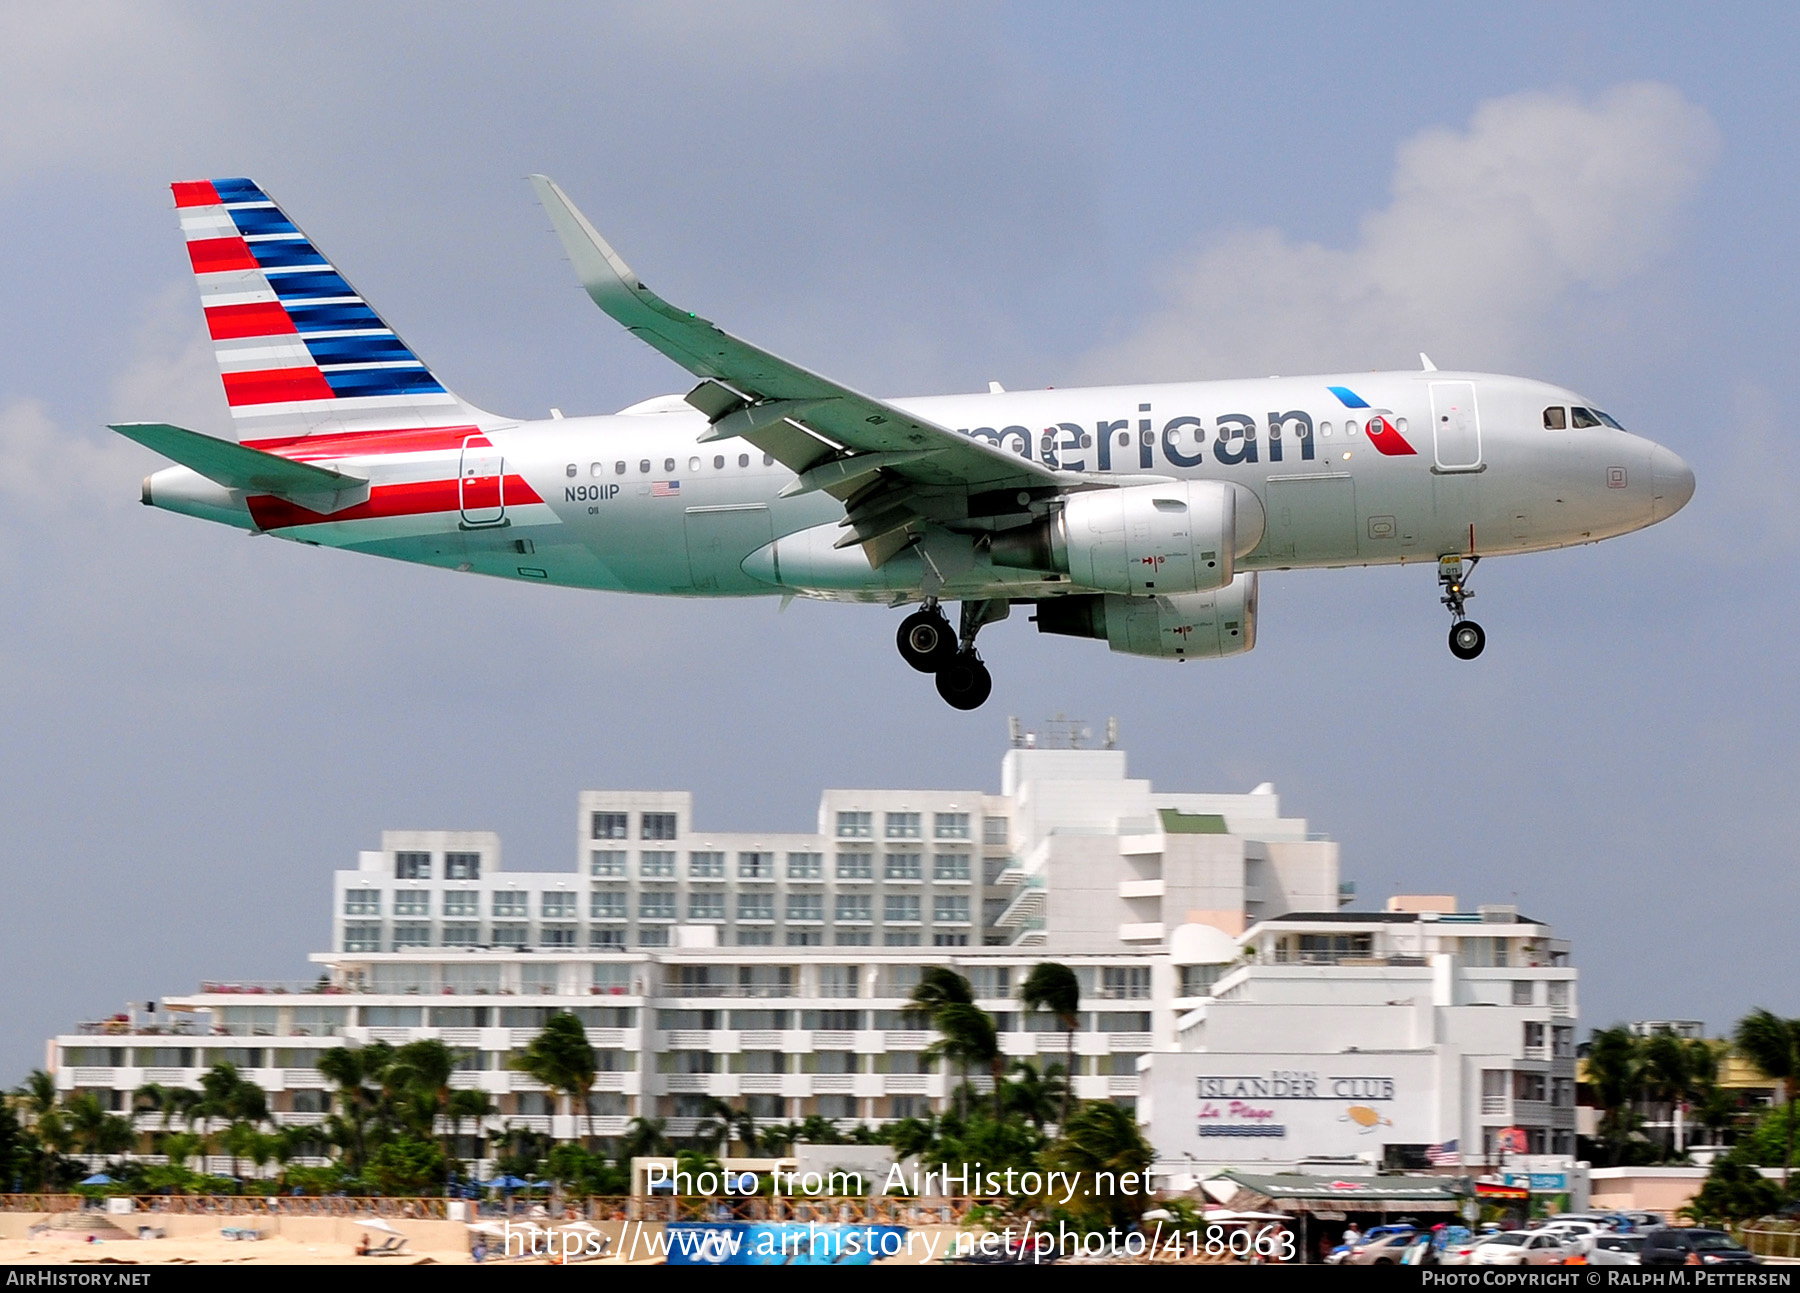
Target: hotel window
(557,906)
(1559,994)
(944,939)
(950,826)
(856,866)
(990,981)
(950,909)
(707,905)
(412,902)
(557,936)
(656,904)
(511,935)
(993,831)
(1530,1086)
(656,936)
(835,1021)
(840,980)
(904,866)
(855,826)
(607,940)
(805,937)
(462,902)
(612,826)
(806,906)
(462,866)
(607,904)
(901,938)
(659,826)
(462,935)
(511,902)
(539,980)
(900,907)
(851,938)
(903,826)
(656,863)
(1562,1043)
(607,862)
(1534,1038)
(853,906)
(1197,980)
(706,866)
(756,938)
(362,902)
(1521,992)
(950,866)
(412,866)
(756,906)
(1125,983)
(805,866)
(362,937)
(756,866)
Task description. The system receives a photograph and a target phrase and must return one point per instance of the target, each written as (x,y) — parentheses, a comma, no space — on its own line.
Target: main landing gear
(927,643)
(1467,638)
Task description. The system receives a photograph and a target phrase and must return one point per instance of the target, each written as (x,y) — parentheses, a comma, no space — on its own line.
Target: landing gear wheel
(926,641)
(1466,639)
(965,682)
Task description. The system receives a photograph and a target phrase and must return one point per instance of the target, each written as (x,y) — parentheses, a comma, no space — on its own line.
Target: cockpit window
(1584,418)
(1608,419)
(1556,418)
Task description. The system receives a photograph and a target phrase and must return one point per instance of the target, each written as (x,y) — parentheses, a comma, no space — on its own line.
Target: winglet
(603,273)
(1425,363)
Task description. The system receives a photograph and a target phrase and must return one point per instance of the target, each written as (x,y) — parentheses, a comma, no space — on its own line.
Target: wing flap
(235,466)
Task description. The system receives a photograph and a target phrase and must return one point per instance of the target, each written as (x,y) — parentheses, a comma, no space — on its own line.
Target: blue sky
(199,727)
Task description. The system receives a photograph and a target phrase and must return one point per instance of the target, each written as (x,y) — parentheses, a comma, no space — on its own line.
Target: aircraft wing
(237,466)
(890,468)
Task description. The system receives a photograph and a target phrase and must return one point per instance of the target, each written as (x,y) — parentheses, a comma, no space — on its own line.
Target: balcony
(687,1083)
(1141,888)
(309,1078)
(760,1039)
(1121,1086)
(833,1083)
(609,1081)
(689,1039)
(906,1083)
(760,1083)
(605,1038)
(1127,1041)
(1143,932)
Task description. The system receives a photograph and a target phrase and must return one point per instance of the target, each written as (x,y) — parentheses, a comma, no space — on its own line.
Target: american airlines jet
(1138,515)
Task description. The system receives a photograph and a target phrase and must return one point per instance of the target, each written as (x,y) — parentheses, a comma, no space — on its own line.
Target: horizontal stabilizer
(236,466)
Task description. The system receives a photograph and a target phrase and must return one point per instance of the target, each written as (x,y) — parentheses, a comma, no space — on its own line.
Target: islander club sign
(1243,1105)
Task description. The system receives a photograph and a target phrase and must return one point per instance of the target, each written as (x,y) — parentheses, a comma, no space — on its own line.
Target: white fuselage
(1463,464)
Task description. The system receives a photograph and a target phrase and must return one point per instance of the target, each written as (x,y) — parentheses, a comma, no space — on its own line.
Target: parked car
(1615,1250)
(1692,1246)
(1522,1248)
(1383,1250)
(1578,1233)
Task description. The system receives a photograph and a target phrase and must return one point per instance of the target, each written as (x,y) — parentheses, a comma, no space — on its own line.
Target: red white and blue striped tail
(300,351)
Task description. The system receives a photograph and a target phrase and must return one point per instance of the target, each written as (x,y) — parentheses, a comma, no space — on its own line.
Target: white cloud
(1490,233)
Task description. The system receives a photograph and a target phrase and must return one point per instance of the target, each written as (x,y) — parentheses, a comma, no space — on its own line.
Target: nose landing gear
(1467,638)
(927,644)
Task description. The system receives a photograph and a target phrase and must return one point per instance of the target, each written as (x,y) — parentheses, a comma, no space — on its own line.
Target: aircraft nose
(1671,483)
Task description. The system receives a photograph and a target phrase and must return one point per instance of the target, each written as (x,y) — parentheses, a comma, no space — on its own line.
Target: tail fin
(300,351)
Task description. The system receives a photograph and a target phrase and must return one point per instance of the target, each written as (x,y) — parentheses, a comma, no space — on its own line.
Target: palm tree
(1613,1073)
(941,986)
(1056,988)
(39,1092)
(469,1104)
(969,1037)
(1035,1096)
(561,1058)
(645,1138)
(1773,1045)
(417,1080)
(1668,1075)
(1104,1137)
(226,1095)
(354,1070)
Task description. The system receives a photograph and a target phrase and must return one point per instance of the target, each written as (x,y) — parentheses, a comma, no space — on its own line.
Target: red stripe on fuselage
(414,498)
(257,319)
(215,255)
(276,386)
(348,444)
(195,193)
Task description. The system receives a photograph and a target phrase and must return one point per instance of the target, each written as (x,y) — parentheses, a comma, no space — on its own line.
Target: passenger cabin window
(743,460)
(1556,418)
(1584,418)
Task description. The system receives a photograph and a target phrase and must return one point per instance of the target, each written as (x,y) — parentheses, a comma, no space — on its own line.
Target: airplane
(1139,515)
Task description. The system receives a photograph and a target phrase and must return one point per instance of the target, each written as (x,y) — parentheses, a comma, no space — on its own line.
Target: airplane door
(719,537)
(481,483)
(1455,426)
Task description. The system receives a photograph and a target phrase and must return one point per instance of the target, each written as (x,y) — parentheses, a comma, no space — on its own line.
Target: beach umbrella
(506,1183)
(378,1223)
(98,1178)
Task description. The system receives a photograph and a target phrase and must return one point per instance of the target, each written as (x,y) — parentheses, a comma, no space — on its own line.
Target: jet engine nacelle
(1184,627)
(1142,540)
